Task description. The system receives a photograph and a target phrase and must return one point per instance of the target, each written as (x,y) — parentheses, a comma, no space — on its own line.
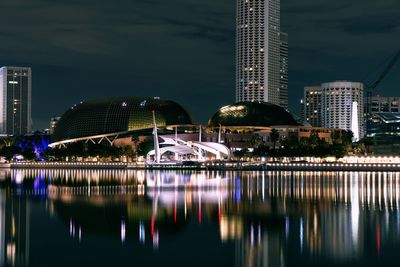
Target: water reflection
(250,218)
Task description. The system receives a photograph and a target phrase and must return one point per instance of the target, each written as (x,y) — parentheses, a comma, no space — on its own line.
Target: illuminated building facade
(342,101)
(116,116)
(15,100)
(338,104)
(312,105)
(258,51)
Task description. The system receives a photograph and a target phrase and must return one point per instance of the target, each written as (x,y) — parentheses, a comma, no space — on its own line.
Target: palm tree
(274,135)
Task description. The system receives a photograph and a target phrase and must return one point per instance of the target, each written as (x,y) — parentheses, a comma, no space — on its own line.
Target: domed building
(251,114)
(118,115)
(239,124)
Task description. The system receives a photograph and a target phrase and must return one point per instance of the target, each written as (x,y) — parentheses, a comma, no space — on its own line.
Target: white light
(19,177)
(123,231)
(354,122)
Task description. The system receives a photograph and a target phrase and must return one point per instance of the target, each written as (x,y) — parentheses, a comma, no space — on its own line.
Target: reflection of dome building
(252,114)
(118,115)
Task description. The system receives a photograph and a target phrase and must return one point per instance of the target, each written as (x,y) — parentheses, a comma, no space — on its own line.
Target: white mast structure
(354,122)
(156,145)
(200,134)
(219,134)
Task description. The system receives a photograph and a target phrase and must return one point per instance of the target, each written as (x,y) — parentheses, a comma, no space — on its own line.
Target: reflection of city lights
(71,226)
(231,227)
(152,225)
(19,177)
(251,235)
(141,190)
(355,209)
(142,233)
(331,210)
(11,251)
(301,235)
(155,239)
(287,227)
(224,229)
(123,231)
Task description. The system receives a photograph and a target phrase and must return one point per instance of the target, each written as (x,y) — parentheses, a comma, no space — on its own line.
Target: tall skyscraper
(335,105)
(258,51)
(15,100)
(284,70)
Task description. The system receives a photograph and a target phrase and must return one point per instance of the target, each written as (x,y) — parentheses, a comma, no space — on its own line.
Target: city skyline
(83,51)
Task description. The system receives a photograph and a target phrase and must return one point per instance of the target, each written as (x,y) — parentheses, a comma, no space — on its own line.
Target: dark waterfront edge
(257,166)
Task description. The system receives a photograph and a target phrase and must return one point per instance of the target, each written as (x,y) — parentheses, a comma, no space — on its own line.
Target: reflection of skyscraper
(260,247)
(15,100)
(258,51)
(14,227)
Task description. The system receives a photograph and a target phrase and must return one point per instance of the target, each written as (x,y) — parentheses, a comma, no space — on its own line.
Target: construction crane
(371,87)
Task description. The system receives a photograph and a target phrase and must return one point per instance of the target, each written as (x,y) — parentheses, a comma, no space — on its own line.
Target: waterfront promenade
(289,166)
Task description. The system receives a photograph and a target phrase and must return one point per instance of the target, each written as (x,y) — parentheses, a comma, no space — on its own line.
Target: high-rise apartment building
(15,100)
(258,51)
(312,105)
(284,70)
(342,106)
(337,104)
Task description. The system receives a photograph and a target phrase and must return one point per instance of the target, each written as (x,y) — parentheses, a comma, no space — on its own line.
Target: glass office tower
(15,100)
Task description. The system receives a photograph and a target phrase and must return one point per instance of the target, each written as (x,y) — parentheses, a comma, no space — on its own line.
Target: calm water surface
(184,218)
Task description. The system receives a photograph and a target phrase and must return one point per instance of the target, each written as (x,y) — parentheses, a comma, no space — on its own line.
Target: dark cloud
(183,49)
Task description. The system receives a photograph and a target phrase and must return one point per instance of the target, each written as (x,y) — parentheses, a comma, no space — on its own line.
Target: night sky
(184,50)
